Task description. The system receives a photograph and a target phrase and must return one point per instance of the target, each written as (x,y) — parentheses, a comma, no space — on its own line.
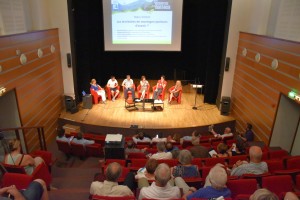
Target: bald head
(113,172)
(162,175)
(255,154)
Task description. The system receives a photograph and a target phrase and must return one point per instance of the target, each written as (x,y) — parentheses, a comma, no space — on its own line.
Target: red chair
(64,147)
(94,150)
(196,182)
(108,92)
(279,154)
(135,155)
(198,162)
(136,164)
(204,172)
(278,184)
(232,160)
(96,98)
(292,168)
(241,186)
(99,197)
(120,161)
(162,94)
(144,143)
(258,177)
(274,165)
(151,150)
(21,181)
(129,92)
(213,161)
(298,181)
(178,98)
(147,96)
(186,143)
(265,156)
(78,150)
(230,142)
(170,162)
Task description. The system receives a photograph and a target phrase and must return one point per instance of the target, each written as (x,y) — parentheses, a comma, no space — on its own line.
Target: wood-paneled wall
(257,87)
(38,83)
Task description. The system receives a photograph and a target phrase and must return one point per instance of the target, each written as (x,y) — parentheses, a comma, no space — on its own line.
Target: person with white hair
(160,189)
(227,132)
(217,179)
(263,194)
(185,169)
(161,152)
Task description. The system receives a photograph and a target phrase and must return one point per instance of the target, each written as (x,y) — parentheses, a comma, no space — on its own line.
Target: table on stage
(145,104)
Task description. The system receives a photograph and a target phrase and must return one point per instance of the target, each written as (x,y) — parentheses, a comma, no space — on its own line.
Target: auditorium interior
(238,63)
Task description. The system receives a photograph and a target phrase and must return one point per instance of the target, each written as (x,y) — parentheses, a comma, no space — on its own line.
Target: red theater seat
(162,94)
(108,92)
(242,186)
(98,197)
(147,96)
(21,181)
(278,184)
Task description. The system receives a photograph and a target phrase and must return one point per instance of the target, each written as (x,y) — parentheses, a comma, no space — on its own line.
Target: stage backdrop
(203,30)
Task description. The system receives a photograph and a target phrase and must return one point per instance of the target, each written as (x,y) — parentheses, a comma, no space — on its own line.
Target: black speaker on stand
(70,105)
(225,105)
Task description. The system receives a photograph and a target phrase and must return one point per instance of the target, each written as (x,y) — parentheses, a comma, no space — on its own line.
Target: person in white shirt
(112,84)
(140,138)
(227,133)
(161,152)
(128,86)
(80,140)
(61,136)
(97,88)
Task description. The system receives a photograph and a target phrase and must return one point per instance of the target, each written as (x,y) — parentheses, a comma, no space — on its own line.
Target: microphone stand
(195,107)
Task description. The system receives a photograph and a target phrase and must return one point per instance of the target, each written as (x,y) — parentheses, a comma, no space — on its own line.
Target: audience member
(227,133)
(140,137)
(175,138)
(160,189)
(62,137)
(112,84)
(199,151)
(132,149)
(243,139)
(110,186)
(37,190)
(263,194)
(195,138)
(147,171)
(80,140)
(222,151)
(161,152)
(97,88)
(16,158)
(218,179)
(128,85)
(290,196)
(170,147)
(256,166)
(185,169)
(161,84)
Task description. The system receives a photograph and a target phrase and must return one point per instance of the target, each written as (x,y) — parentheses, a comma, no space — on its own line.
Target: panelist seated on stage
(161,152)
(227,132)
(80,140)
(98,89)
(144,85)
(15,157)
(112,84)
(140,137)
(128,86)
(160,86)
(175,92)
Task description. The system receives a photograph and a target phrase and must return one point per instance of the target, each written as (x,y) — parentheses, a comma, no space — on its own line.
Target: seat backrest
(138,162)
(21,181)
(135,155)
(98,197)
(42,172)
(278,184)
(279,154)
(204,171)
(232,160)
(94,150)
(120,161)
(170,162)
(242,186)
(63,146)
(78,149)
(214,161)
(274,165)
(293,163)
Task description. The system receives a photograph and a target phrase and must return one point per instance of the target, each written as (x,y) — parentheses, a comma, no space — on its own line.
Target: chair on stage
(96,98)
(162,94)
(178,98)
(129,92)
(147,96)
(108,92)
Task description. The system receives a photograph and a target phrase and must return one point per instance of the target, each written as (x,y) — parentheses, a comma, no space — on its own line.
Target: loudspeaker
(225,105)
(87,101)
(69,61)
(70,104)
(227,64)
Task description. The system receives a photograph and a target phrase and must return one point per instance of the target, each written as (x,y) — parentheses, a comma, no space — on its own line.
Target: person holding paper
(161,84)
(144,86)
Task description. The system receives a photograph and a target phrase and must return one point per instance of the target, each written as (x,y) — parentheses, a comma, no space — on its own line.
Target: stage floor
(114,114)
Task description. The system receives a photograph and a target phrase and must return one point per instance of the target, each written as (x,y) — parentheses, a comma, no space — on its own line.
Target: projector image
(130,4)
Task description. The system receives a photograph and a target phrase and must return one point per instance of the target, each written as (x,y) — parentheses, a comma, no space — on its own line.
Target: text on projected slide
(141,21)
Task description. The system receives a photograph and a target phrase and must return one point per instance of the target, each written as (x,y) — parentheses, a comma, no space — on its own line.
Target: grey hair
(113,172)
(185,157)
(161,146)
(162,174)
(263,194)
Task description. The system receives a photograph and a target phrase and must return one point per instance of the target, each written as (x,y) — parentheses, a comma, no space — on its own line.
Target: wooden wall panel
(257,87)
(38,84)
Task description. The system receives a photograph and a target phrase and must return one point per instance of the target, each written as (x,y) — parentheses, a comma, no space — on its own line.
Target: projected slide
(141,21)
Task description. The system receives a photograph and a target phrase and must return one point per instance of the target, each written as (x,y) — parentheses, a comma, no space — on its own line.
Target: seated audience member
(185,169)
(16,158)
(175,153)
(140,137)
(161,152)
(227,133)
(100,91)
(263,194)
(62,137)
(175,138)
(110,186)
(159,138)
(147,171)
(290,196)
(80,140)
(217,185)
(256,166)
(144,87)
(128,86)
(37,190)
(132,149)
(175,91)
(199,151)
(160,189)
(194,138)
(170,147)
(243,139)
(161,84)
(112,84)
(223,151)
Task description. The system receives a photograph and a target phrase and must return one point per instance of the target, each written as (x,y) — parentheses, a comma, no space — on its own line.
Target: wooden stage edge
(113,117)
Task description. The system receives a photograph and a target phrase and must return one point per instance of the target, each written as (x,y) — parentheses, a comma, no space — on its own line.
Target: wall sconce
(52,48)
(257,57)
(40,53)
(18,52)
(244,52)
(274,64)
(23,59)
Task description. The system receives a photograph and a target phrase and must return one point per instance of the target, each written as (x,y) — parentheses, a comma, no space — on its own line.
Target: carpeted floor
(71,177)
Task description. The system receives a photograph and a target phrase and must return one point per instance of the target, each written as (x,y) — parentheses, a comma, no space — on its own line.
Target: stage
(113,117)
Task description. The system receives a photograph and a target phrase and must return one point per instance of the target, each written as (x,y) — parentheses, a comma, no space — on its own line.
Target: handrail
(40,132)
